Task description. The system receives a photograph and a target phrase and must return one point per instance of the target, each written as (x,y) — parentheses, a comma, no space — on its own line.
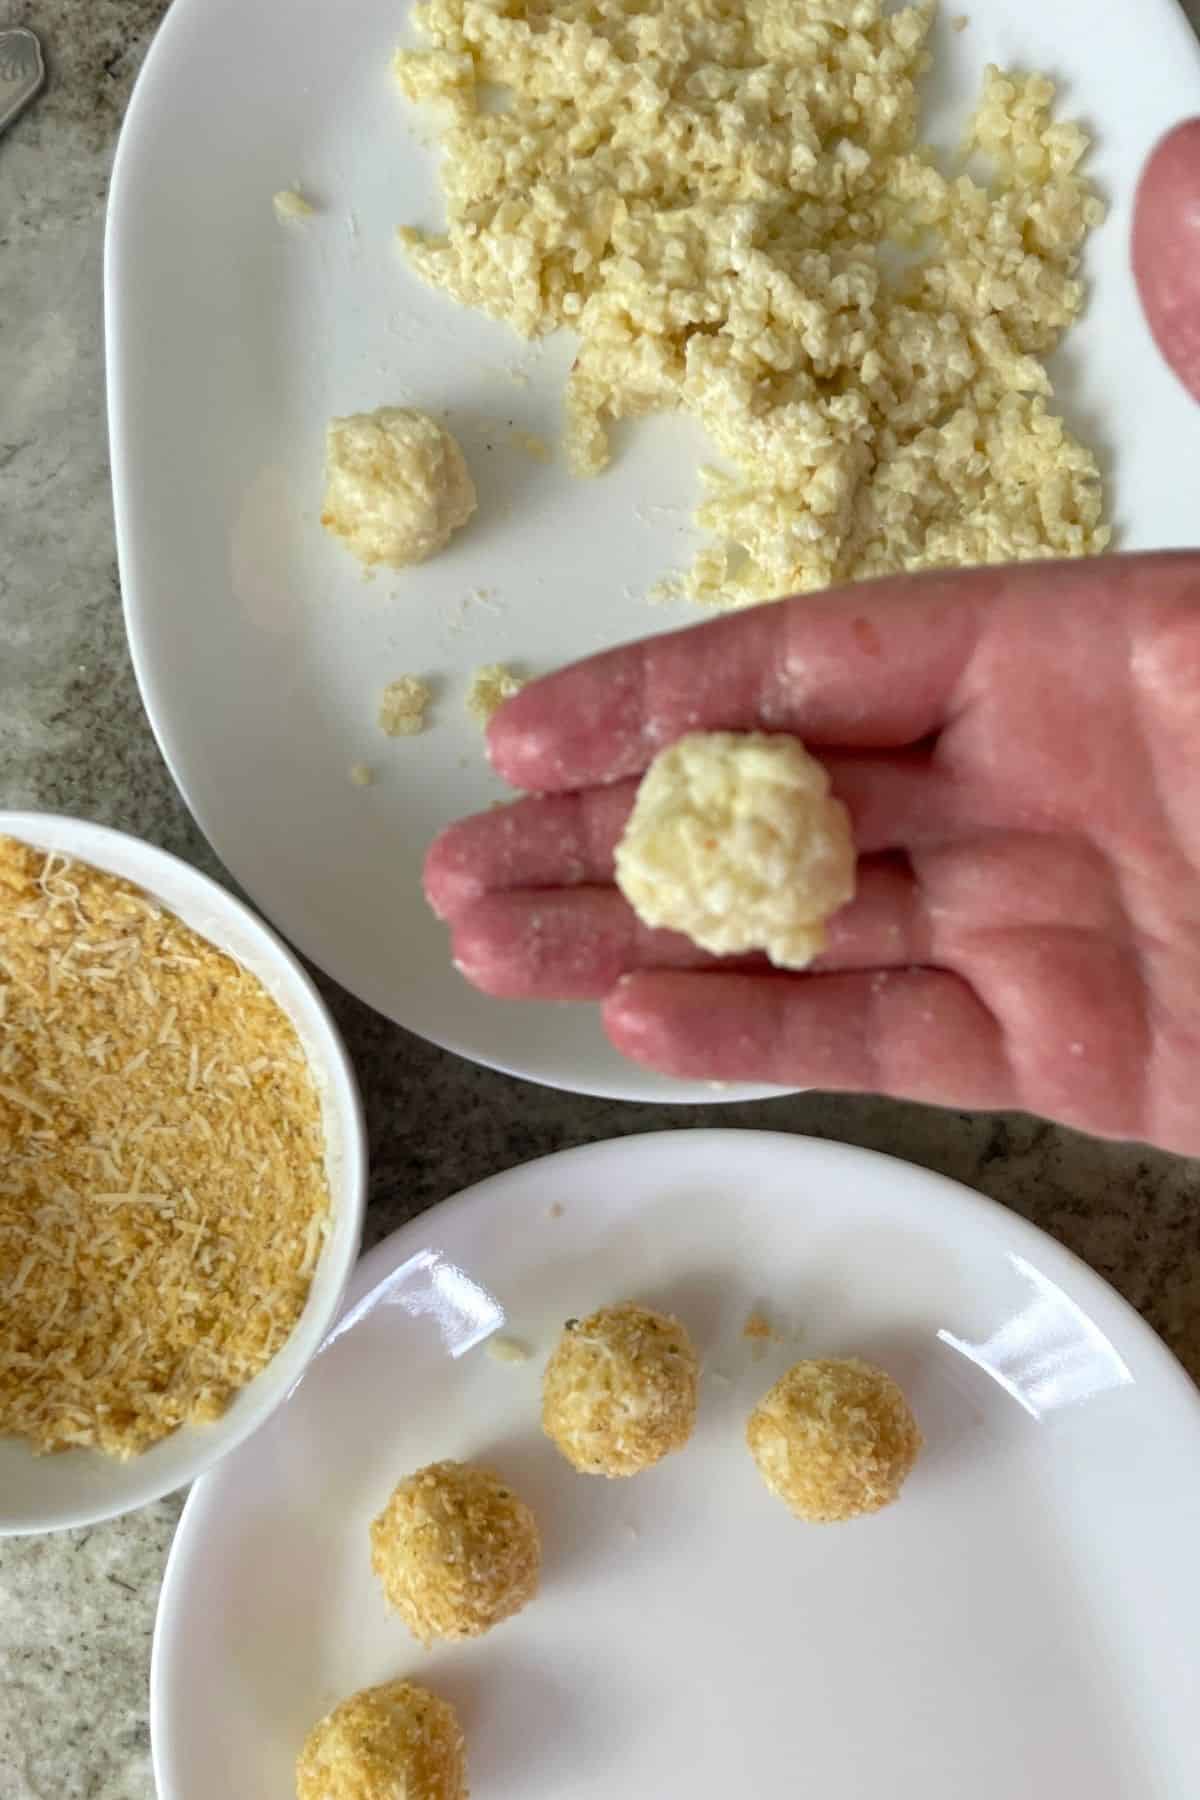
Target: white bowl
(80,1487)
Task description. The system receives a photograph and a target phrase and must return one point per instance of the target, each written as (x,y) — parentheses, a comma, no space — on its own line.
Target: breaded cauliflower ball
(619,1392)
(735,840)
(456,1551)
(834,1439)
(397,486)
(388,1741)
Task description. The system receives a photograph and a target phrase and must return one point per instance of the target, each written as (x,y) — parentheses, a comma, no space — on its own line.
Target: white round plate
(232,339)
(1021,1622)
(81,1487)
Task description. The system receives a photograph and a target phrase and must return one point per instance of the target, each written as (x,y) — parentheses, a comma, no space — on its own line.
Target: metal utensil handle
(22,72)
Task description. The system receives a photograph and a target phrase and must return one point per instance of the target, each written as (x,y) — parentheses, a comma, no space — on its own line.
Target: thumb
(1166,249)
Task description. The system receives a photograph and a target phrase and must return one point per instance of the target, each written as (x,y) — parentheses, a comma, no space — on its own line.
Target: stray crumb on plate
(557,1209)
(533,445)
(508,1350)
(490,687)
(959,22)
(403,706)
(290,203)
(362,774)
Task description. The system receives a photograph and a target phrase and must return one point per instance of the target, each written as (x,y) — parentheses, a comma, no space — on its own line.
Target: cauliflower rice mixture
(728,202)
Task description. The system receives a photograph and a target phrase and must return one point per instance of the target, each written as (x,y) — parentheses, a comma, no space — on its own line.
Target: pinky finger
(914,1034)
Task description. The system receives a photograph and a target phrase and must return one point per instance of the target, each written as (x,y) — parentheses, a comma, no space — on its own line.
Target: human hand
(1020,752)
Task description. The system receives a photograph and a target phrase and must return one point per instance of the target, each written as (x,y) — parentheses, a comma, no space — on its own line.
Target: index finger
(874,666)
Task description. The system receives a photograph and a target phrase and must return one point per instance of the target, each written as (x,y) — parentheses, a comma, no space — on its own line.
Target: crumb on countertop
(503,1349)
(362,774)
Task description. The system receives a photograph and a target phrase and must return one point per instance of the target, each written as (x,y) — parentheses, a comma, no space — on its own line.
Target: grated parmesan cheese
(163,1197)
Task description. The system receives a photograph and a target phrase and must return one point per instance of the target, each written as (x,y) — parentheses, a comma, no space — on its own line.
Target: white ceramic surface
(231,341)
(80,1487)
(1022,1622)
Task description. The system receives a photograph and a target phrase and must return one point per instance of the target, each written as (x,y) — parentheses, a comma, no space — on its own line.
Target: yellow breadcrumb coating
(619,1391)
(393,1742)
(735,840)
(456,1551)
(396,486)
(834,1439)
(729,203)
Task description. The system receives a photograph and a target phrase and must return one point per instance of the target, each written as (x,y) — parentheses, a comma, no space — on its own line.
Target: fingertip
(484,958)
(1166,249)
(446,877)
(634,1026)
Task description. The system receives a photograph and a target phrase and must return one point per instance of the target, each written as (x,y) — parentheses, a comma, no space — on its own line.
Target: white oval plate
(1022,1622)
(232,339)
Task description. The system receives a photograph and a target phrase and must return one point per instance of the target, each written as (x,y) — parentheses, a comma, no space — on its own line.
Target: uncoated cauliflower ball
(388,1741)
(735,840)
(834,1439)
(456,1551)
(396,485)
(619,1392)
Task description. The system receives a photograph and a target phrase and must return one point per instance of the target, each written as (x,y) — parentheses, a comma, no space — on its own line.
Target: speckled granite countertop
(76,1611)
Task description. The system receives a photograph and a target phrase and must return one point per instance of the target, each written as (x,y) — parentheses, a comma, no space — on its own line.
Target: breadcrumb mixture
(619,1390)
(456,1550)
(729,203)
(490,687)
(403,706)
(393,1742)
(834,1439)
(163,1195)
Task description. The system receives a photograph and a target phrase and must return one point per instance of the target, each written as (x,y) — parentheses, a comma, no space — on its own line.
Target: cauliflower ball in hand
(456,1551)
(397,1739)
(397,486)
(735,840)
(834,1439)
(619,1391)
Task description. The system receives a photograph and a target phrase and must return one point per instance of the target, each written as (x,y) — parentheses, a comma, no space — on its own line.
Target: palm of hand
(1020,751)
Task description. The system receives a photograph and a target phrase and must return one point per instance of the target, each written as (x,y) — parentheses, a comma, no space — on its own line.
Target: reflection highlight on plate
(1048,1355)
(429,1286)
